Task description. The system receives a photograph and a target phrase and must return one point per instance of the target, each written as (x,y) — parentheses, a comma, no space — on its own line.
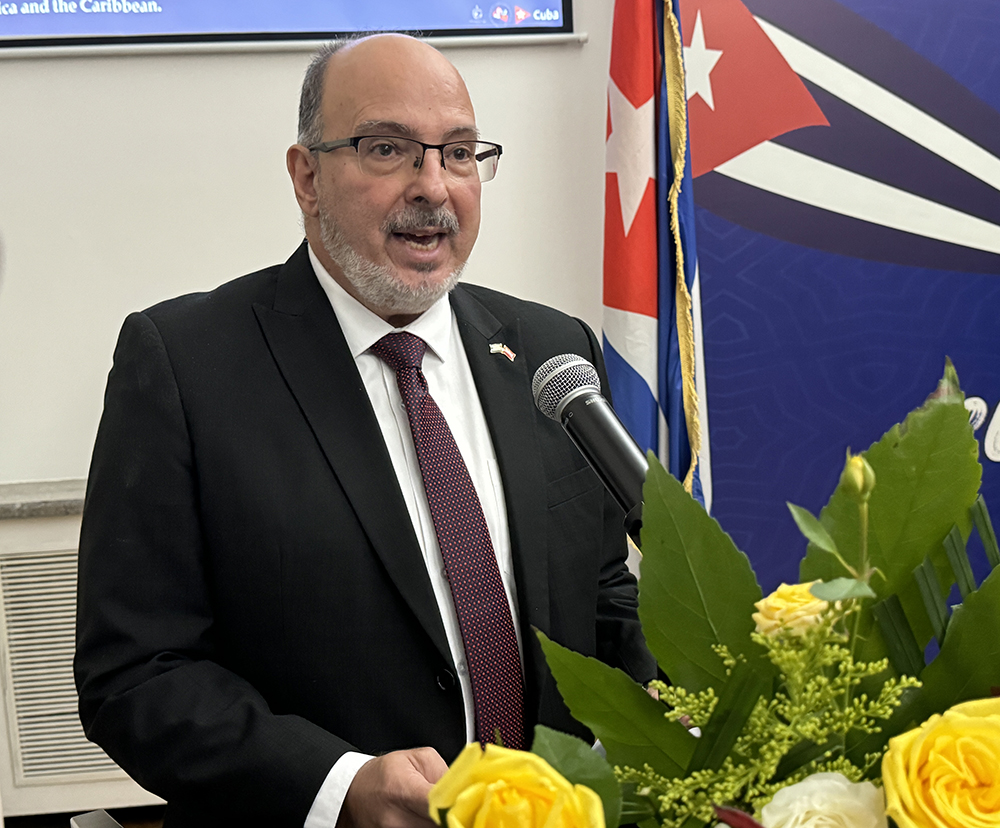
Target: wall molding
(42,498)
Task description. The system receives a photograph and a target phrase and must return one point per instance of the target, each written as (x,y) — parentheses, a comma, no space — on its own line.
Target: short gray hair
(311,98)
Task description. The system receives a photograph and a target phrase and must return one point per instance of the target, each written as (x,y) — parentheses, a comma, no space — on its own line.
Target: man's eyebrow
(384,128)
(406,131)
(461,132)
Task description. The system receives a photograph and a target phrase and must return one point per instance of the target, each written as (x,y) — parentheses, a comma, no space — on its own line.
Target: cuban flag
(651,309)
(846,164)
(904,169)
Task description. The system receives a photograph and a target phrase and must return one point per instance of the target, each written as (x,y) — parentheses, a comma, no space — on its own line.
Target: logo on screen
(500,14)
(520,15)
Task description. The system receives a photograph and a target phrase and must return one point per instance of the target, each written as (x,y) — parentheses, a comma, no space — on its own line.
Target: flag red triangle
(756,94)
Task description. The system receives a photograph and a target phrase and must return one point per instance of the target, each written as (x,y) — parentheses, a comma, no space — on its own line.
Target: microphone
(567,389)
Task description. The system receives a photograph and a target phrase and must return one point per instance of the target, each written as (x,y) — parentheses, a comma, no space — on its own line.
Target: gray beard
(376,286)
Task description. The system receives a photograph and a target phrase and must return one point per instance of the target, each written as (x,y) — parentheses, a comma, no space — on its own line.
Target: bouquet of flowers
(813,707)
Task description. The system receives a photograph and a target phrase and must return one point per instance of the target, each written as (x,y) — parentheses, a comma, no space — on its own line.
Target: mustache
(413,219)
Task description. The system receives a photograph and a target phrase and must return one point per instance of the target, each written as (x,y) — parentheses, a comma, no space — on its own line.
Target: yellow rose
(504,788)
(792,608)
(947,771)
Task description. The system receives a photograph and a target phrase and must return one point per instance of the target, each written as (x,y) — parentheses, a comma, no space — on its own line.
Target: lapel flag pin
(500,348)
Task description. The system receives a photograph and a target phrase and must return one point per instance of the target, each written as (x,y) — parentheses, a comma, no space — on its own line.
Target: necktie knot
(400,350)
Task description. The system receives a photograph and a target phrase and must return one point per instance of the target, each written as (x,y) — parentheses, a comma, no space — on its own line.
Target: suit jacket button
(446,680)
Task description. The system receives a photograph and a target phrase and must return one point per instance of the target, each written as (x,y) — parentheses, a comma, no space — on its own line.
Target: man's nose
(430,182)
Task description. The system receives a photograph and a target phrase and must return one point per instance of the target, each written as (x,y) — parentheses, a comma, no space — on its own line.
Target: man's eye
(384,149)
(460,153)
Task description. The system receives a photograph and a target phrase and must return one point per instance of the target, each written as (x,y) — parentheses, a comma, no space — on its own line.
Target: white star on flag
(699,61)
(630,151)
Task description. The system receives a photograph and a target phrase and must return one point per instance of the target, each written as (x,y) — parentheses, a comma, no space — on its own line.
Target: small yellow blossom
(857,478)
(945,772)
(502,788)
(790,608)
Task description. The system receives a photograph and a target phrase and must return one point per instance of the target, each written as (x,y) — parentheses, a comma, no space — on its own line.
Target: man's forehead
(396,80)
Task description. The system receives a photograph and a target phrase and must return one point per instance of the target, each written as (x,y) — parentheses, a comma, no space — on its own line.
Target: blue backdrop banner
(847,180)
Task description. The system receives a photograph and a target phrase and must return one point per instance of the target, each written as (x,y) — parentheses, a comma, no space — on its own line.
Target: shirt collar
(362,328)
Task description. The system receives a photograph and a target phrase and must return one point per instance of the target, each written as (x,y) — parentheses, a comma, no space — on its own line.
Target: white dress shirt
(451,384)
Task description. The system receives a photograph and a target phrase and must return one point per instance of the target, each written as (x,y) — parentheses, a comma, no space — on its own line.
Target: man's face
(400,240)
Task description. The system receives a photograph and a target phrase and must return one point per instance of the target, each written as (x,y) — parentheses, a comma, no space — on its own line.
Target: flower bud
(858,478)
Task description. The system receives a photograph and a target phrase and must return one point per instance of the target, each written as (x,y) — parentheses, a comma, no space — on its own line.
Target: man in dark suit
(262,604)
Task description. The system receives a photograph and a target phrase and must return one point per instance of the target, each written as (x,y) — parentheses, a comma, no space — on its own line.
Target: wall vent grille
(39,612)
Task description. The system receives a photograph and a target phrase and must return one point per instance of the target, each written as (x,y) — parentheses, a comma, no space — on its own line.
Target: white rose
(826,800)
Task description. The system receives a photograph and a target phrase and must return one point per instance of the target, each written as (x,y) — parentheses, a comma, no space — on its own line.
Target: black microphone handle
(610,450)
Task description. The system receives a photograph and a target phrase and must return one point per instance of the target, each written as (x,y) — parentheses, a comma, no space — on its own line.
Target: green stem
(866,575)
(854,632)
(863,521)
(854,644)
(863,566)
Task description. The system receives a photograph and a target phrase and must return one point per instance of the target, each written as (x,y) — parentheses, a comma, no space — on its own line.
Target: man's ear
(302,168)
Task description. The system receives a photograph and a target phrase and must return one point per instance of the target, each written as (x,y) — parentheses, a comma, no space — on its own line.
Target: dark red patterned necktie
(469,559)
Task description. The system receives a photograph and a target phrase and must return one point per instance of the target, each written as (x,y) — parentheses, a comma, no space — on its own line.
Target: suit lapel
(308,345)
(504,388)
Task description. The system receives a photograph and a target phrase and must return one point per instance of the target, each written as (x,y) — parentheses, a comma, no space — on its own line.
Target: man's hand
(390,791)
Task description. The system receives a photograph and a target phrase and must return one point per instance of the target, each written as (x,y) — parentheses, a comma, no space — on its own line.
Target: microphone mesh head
(559,378)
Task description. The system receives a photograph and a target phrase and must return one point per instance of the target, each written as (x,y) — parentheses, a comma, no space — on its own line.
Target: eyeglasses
(380,155)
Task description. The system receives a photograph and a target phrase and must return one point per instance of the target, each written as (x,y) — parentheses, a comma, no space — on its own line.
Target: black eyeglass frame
(340,143)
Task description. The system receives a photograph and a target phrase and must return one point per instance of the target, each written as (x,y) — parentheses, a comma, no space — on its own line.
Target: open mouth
(421,240)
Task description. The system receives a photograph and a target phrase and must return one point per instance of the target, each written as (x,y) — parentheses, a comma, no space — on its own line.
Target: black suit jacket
(252,598)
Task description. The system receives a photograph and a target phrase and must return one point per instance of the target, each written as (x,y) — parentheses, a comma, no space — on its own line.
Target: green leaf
(842,589)
(968,664)
(958,560)
(927,475)
(984,526)
(629,723)
(904,652)
(934,603)
(948,387)
(636,807)
(967,667)
(737,700)
(802,754)
(812,529)
(696,589)
(581,765)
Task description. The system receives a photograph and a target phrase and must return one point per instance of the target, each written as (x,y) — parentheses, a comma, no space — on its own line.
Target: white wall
(129,179)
